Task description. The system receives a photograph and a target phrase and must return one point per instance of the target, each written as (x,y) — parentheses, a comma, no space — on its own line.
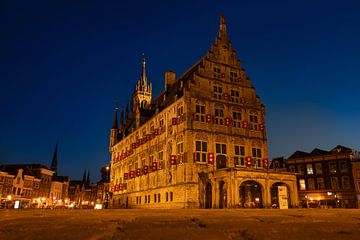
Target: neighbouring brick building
(325,178)
(200,144)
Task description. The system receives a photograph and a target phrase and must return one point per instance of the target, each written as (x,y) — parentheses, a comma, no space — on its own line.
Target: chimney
(170,78)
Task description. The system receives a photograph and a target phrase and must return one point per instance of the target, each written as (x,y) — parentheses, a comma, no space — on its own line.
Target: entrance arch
(220,161)
(222,194)
(274,193)
(250,194)
(208,195)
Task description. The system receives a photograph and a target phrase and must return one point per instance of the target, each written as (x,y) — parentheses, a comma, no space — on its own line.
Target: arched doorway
(222,195)
(220,161)
(274,193)
(250,194)
(208,195)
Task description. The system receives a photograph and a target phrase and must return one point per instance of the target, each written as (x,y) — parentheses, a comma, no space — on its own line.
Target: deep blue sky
(64,62)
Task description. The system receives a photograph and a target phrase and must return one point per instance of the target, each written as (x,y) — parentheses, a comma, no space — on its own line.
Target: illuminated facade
(326,178)
(200,144)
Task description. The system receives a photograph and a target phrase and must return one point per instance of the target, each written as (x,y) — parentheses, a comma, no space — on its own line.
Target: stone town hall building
(200,144)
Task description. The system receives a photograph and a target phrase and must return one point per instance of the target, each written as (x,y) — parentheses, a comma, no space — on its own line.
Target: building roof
(29,169)
(318,152)
(299,154)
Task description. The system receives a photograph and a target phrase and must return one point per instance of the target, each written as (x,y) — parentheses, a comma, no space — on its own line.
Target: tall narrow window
(219,116)
(239,157)
(235,96)
(318,167)
(233,76)
(309,169)
(217,92)
(253,124)
(332,167)
(320,183)
(201,151)
(311,184)
(217,73)
(237,119)
(334,183)
(343,166)
(345,180)
(200,113)
(302,184)
(256,154)
(220,148)
(161,160)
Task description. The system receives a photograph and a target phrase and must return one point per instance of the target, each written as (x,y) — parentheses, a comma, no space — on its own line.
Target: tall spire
(88,178)
(115,124)
(222,32)
(122,118)
(84,176)
(54,160)
(143,80)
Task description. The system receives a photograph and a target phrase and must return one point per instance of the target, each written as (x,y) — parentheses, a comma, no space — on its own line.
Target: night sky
(63,63)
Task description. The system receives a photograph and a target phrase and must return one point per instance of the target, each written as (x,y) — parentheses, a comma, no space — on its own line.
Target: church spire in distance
(54,161)
(115,124)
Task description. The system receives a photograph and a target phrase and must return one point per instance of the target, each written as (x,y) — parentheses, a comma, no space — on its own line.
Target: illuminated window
(256,155)
(302,184)
(253,124)
(217,73)
(201,151)
(309,169)
(239,158)
(343,166)
(200,113)
(235,96)
(318,167)
(217,92)
(320,183)
(219,116)
(237,119)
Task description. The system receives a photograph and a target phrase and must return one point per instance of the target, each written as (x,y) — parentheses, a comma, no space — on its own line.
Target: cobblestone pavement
(181,224)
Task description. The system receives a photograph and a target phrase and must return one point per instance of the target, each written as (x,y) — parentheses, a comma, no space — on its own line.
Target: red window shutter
(238,79)
(156,131)
(245,124)
(146,169)
(208,118)
(222,75)
(174,121)
(261,127)
(112,189)
(226,96)
(126,176)
(154,166)
(210,158)
(227,121)
(242,100)
(248,161)
(172,159)
(138,172)
(133,145)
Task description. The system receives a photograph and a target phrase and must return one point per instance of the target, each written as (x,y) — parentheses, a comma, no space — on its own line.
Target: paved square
(181,224)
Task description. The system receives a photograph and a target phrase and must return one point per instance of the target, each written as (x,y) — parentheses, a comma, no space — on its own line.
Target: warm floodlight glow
(9,197)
